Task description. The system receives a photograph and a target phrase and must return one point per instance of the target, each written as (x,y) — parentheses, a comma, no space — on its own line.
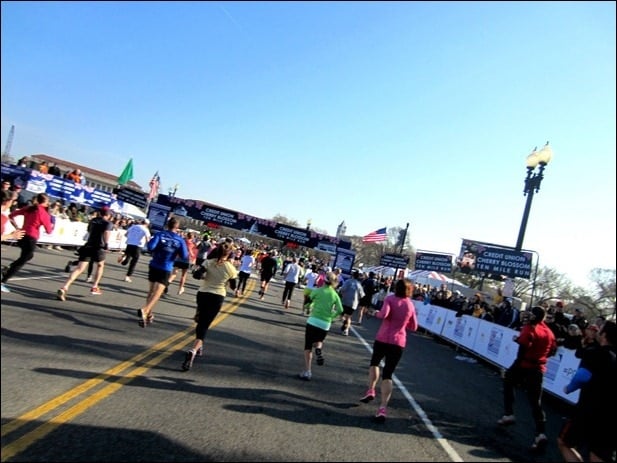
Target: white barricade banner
(67,233)
(560,369)
(431,317)
(494,342)
(461,330)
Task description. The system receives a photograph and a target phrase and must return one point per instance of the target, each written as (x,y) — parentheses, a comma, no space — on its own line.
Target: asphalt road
(81,381)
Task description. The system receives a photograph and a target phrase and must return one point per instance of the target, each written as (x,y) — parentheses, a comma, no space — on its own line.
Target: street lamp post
(532,184)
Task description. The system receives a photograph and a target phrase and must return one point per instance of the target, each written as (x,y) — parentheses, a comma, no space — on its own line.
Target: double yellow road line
(116,377)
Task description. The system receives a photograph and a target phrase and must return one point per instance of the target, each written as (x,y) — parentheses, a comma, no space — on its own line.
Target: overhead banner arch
(214,216)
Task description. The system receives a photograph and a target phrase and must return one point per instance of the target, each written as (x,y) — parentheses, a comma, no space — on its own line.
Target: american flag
(155,183)
(376,236)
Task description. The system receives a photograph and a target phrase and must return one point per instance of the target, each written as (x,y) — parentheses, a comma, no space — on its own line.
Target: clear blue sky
(375,113)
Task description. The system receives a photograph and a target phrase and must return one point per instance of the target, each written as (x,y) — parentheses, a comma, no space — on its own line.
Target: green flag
(127,173)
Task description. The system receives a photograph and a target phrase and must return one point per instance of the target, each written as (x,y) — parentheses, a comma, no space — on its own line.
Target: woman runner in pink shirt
(398,316)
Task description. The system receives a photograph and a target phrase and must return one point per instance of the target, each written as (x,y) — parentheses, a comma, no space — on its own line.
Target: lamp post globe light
(533,180)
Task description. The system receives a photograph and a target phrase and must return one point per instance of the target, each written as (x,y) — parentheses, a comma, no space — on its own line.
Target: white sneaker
(5,289)
(305,375)
(128,279)
(345,332)
(539,443)
(506,419)
(89,280)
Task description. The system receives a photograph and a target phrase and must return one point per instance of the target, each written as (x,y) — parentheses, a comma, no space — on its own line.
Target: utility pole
(403,238)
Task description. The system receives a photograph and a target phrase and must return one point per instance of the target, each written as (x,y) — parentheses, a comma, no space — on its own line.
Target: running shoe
(67,268)
(506,419)
(188,360)
(320,359)
(370,395)
(128,279)
(305,375)
(95,291)
(200,351)
(62,294)
(381,414)
(5,289)
(539,443)
(89,279)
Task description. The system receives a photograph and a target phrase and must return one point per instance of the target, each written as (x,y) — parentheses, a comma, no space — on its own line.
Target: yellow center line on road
(20,444)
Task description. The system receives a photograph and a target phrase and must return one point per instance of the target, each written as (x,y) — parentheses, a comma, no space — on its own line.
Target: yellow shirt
(217,276)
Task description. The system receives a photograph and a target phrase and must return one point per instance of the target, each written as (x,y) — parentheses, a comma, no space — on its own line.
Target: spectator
(536,343)
(592,426)
(507,315)
(589,341)
(73,213)
(579,318)
(74,176)
(573,338)
(558,329)
(55,170)
(20,200)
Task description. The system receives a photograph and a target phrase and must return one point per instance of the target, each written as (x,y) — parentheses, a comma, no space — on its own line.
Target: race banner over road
(433,261)
(493,259)
(394,260)
(214,216)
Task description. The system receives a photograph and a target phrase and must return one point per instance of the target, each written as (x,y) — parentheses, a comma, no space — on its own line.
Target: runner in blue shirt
(166,247)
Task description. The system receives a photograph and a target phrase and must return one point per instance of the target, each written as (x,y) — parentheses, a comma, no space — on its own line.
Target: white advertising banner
(67,233)
(431,317)
(494,342)
(559,371)
(461,330)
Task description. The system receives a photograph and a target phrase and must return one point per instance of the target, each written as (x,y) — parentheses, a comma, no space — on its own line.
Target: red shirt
(537,342)
(35,217)
(4,219)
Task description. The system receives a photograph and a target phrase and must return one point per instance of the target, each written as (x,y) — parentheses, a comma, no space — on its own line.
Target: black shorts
(267,276)
(312,334)
(181,265)
(156,275)
(347,310)
(90,253)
